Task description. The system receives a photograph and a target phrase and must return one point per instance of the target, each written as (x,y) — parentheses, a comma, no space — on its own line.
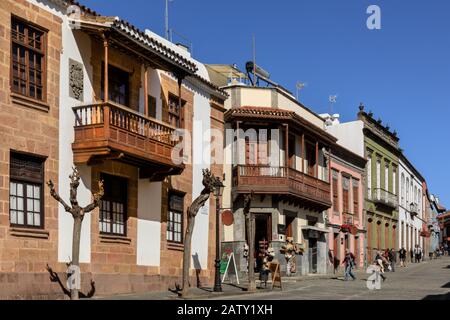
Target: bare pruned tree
(208,187)
(78,212)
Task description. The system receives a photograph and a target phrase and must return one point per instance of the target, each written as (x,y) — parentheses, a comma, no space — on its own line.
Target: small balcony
(287,183)
(384,197)
(108,131)
(414,209)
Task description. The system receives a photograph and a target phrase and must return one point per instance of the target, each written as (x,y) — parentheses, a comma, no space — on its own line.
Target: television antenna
(332,99)
(167,30)
(299,86)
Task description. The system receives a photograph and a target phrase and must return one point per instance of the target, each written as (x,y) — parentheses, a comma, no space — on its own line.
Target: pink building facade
(345,217)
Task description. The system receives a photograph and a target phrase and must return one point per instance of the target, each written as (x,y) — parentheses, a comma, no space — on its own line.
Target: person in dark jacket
(392,259)
(402,256)
(349,262)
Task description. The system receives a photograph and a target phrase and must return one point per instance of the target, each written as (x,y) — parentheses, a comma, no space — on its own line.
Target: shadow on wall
(54,277)
(197,267)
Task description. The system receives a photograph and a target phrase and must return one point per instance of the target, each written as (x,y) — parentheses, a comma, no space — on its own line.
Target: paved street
(427,280)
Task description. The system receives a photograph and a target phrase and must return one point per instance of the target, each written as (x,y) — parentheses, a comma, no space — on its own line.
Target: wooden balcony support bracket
(105,36)
(286,151)
(303,152)
(146,90)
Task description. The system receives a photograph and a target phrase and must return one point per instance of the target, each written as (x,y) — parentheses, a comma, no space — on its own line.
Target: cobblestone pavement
(425,280)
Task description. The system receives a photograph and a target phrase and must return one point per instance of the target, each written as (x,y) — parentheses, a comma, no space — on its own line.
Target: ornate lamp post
(218,190)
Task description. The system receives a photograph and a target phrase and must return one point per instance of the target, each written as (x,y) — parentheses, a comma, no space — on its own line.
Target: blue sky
(401,72)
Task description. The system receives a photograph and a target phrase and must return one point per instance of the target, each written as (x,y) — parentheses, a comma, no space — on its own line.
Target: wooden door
(289,222)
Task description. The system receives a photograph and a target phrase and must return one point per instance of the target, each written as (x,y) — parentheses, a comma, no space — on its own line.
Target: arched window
(402,191)
(415,194)
(407,191)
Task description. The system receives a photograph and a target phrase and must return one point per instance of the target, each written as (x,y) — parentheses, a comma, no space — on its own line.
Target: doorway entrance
(263,235)
(312,255)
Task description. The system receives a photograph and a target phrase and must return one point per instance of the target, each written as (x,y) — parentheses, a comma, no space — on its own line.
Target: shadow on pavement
(445,296)
(447,285)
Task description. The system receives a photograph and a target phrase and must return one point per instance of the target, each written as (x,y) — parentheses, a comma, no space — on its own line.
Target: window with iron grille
(175,217)
(28,45)
(113,206)
(176,113)
(26,194)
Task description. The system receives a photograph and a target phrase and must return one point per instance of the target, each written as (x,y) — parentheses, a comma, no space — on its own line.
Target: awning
(315,229)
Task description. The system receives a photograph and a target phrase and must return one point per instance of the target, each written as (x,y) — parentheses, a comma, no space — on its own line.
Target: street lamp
(218,190)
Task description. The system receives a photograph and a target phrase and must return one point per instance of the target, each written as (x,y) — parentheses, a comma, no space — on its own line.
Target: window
(378,178)
(386,176)
(151,106)
(394,180)
(175,217)
(118,85)
(26,195)
(27,59)
(407,192)
(403,189)
(176,114)
(335,175)
(113,207)
(369,176)
(356,198)
(346,194)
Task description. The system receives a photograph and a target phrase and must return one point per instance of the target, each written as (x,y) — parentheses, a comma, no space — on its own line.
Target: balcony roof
(268,113)
(127,34)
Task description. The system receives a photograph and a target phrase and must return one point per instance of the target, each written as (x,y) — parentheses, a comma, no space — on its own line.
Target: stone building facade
(276,148)
(134,241)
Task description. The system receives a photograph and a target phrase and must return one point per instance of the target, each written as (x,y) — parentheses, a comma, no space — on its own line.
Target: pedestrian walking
(411,253)
(392,258)
(417,253)
(379,263)
(349,262)
(402,256)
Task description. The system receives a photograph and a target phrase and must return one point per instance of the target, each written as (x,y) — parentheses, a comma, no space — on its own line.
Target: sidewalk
(228,289)
(241,289)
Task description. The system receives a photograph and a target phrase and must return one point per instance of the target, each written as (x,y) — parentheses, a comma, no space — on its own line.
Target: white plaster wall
(404,210)
(149,223)
(350,135)
(201,160)
(77,47)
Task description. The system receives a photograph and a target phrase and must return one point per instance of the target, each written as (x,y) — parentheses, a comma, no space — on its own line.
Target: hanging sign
(227,217)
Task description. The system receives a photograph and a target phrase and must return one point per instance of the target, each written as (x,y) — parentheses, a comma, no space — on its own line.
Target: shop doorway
(312,255)
(263,235)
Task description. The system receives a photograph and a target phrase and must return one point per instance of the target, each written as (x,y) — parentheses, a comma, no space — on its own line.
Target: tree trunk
(77,221)
(187,255)
(251,253)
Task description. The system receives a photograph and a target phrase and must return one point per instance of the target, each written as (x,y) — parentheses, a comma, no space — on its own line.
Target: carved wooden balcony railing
(300,188)
(111,131)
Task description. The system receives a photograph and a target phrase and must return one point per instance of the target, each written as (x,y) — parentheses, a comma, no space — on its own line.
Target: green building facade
(381,149)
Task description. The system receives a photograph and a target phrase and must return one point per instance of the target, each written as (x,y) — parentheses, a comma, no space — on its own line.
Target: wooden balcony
(286,183)
(107,131)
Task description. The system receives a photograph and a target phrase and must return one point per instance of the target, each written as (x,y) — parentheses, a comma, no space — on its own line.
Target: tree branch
(56,196)
(74,183)
(97,197)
